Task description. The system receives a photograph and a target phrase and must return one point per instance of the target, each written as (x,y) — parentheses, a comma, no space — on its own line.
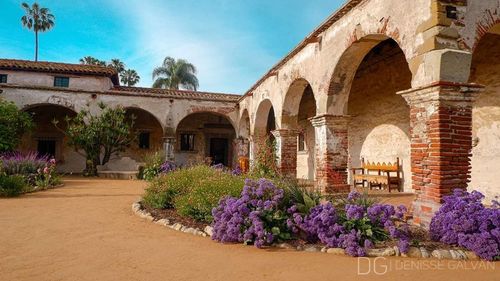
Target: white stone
(425,253)
(386,252)
(336,251)
(442,254)
(413,252)
(209,230)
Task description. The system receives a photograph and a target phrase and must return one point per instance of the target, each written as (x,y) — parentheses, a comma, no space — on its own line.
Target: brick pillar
(286,152)
(441,143)
(331,152)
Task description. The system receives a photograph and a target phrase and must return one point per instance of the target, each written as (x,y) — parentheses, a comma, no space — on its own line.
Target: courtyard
(87,231)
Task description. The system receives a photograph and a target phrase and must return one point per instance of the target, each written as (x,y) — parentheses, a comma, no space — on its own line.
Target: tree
(89,60)
(130,77)
(118,65)
(98,137)
(175,74)
(13,124)
(38,19)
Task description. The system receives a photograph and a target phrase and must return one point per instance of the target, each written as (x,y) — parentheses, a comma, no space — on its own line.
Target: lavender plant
(464,221)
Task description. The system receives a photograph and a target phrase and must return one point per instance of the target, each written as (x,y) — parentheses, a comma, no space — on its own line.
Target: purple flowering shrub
(354,227)
(257,216)
(464,221)
(237,171)
(37,170)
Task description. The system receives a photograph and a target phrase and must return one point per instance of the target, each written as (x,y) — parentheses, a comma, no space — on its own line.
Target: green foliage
(89,60)
(175,74)
(38,19)
(99,136)
(11,185)
(193,191)
(205,195)
(304,199)
(153,164)
(264,165)
(13,124)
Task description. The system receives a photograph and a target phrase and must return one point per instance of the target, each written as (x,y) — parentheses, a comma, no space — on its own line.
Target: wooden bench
(378,175)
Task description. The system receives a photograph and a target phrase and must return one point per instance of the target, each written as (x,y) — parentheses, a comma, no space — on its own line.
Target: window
(301,142)
(144,140)
(187,142)
(61,82)
(3,78)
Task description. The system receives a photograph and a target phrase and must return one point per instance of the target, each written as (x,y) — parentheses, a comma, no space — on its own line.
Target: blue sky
(232,42)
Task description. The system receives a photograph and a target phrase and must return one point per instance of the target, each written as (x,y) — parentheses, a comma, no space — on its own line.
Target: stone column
(331,152)
(168,146)
(441,143)
(286,152)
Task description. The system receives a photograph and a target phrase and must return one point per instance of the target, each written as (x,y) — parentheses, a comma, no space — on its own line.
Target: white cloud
(227,59)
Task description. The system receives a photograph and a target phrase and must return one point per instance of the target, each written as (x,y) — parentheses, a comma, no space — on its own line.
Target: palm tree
(130,77)
(37,19)
(117,64)
(175,74)
(89,60)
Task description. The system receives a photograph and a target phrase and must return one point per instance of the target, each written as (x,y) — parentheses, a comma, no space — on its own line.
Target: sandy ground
(87,231)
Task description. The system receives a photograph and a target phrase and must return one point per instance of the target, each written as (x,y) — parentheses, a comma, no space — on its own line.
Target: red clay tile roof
(341,12)
(176,93)
(60,68)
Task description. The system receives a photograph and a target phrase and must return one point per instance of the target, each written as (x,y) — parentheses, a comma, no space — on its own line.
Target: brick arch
(346,68)
(260,120)
(291,103)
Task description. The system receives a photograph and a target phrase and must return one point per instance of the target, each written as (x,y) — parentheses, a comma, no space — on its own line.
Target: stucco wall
(486,118)
(88,83)
(380,119)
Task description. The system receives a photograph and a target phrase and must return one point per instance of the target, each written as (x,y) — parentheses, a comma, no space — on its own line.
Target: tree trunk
(36,45)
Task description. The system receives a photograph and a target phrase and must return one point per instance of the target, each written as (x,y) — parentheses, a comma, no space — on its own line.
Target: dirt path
(86,231)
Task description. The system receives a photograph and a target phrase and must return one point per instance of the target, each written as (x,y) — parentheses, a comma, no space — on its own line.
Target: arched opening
(48,139)
(265,120)
(379,126)
(485,70)
(149,133)
(205,137)
(244,125)
(299,106)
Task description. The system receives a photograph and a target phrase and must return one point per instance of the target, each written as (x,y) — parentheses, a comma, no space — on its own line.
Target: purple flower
(464,221)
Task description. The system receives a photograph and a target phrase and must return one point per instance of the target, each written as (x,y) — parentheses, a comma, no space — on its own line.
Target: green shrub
(199,202)
(192,191)
(165,188)
(13,124)
(11,185)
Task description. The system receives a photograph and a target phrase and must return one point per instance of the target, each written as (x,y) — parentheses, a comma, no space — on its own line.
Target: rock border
(414,252)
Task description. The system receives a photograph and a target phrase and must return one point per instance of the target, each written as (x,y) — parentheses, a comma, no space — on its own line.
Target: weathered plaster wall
(486,118)
(88,83)
(380,119)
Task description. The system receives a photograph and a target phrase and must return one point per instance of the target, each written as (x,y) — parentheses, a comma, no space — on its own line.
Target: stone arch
(177,121)
(265,118)
(485,70)
(205,137)
(379,127)
(149,131)
(49,139)
(346,68)
(292,102)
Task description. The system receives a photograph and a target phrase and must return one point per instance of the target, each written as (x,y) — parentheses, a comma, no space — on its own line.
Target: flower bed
(266,213)
(23,173)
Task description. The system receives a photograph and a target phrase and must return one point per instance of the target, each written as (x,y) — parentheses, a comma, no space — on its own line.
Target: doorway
(218,151)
